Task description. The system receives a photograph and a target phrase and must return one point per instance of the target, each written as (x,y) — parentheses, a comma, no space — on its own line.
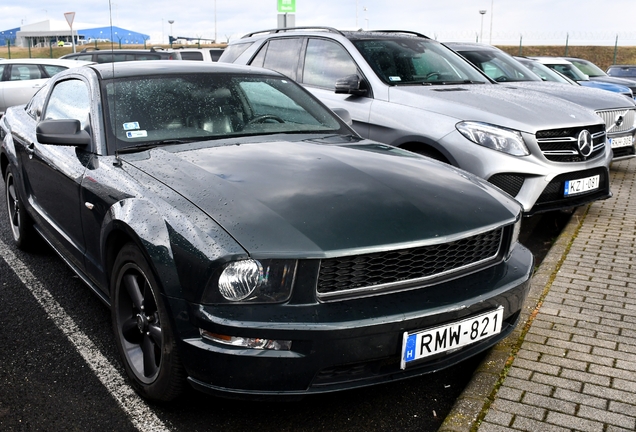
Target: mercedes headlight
(494,137)
(253,281)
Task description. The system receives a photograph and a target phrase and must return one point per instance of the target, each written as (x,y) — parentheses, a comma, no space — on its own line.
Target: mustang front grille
(382,271)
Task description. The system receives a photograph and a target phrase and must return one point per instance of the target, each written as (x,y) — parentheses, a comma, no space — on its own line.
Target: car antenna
(117,161)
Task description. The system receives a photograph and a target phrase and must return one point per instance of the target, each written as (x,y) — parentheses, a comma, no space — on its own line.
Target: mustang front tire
(142,328)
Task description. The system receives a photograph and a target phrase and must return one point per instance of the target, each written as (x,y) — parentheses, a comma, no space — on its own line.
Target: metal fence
(626,38)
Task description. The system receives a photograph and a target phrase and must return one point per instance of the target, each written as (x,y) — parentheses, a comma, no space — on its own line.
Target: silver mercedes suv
(618,112)
(407,90)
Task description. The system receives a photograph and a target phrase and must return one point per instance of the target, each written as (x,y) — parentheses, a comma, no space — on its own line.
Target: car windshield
(499,66)
(403,60)
(622,71)
(570,71)
(151,110)
(544,72)
(588,68)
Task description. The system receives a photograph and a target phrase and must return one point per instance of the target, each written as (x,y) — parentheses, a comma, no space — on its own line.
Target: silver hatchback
(407,90)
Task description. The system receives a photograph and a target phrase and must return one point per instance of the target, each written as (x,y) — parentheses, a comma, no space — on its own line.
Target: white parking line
(139,412)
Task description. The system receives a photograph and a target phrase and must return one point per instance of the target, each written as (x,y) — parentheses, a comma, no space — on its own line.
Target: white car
(20,79)
(200,54)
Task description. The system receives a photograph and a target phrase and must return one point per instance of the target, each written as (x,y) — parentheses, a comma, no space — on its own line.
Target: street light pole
(492,13)
(366,17)
(481,32)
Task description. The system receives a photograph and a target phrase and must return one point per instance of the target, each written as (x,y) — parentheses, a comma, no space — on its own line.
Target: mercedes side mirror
(351,84)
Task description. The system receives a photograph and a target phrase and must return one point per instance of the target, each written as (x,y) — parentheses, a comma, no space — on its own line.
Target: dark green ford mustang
(248,241)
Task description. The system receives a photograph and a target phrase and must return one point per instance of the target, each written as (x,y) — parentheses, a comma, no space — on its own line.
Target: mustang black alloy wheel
(142,328)
(19,220)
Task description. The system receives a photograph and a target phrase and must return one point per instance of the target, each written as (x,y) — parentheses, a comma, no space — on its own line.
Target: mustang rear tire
(19,221)
(143,330)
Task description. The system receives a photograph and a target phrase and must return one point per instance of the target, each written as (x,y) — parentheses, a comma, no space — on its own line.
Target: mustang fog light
(255,343)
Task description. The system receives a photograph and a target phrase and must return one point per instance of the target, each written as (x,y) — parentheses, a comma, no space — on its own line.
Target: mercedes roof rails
(331,30)
(286,29)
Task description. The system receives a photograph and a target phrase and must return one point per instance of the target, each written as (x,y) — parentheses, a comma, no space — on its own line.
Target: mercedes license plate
(573,187)
(423,343)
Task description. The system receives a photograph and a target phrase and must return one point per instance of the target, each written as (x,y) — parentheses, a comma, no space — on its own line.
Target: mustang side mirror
(351,84)
(62,132)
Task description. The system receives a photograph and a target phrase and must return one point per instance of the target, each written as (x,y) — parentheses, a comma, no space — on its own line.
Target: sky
(505,22)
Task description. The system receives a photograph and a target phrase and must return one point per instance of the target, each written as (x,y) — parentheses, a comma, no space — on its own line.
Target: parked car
(119,55)
(407,90)
(248,241)
(200,54)
(619,113)
(597,74)
(566,68)
(622,71)
(21,78)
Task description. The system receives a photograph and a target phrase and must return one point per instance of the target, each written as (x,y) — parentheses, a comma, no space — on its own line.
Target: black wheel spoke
(150,361)
(13,205)
(155,333)
(133,291)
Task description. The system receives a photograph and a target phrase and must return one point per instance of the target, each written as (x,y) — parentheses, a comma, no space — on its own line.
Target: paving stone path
(576,366)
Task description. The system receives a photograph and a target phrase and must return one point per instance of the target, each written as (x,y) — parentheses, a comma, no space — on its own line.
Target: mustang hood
(313,199)
(514,108)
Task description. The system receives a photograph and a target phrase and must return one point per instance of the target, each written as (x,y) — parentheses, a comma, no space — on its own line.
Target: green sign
(287,6)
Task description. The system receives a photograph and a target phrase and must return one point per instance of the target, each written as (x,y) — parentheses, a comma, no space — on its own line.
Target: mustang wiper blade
(151,145)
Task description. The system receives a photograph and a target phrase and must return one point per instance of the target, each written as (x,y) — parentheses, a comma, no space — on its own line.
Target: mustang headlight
(254,281)
(494,137)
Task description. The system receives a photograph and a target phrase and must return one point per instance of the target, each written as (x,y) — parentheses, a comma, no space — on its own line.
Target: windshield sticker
(137,134)
(131,126)
(395,78)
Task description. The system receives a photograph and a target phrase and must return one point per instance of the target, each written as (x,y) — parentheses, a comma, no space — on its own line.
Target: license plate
(620,141)
(573,187)
(423,343)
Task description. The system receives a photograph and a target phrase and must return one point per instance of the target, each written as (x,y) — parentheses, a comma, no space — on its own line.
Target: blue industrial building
(42,34)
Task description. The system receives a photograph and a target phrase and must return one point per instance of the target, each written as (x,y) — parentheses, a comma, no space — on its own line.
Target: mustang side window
(34,107)
(69,100)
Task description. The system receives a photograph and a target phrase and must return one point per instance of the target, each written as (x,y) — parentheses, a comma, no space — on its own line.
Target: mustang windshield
(415,61)
(149,110)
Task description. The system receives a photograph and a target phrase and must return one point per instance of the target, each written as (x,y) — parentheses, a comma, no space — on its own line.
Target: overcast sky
(538,21)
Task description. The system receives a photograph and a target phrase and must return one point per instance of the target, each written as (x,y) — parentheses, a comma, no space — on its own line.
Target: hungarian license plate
(573,187)
(423,343)
(623,141)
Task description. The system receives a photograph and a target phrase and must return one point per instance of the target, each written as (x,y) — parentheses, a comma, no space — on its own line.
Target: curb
(482,388)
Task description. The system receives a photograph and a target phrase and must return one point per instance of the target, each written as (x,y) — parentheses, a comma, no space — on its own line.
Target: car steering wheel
(265,117)
(432,74)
